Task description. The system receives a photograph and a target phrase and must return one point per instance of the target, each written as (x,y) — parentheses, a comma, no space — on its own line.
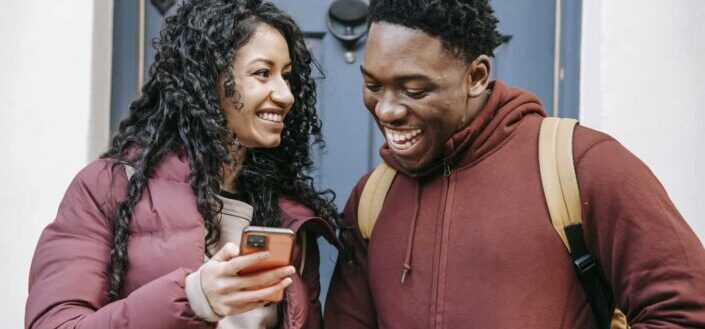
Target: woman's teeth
(271,117)
(402,140)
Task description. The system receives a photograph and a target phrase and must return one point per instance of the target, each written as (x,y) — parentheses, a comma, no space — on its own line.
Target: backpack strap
(372,198)
(558,174)
(560,187)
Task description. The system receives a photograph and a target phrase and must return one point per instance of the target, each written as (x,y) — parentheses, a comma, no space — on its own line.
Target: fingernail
(264,255)
(290,270)
(287,282)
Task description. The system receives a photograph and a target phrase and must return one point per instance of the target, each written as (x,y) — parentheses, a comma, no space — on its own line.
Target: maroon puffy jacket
(68,280)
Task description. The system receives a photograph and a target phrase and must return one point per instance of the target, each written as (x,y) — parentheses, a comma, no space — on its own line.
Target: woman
(218,137)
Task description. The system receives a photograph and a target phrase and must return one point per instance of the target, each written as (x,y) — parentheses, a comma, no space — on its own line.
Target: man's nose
(389,110)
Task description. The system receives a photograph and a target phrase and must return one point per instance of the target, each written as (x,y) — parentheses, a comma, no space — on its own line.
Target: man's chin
(411,166)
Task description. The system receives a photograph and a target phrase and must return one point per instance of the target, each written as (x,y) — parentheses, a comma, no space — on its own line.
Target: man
(464,239)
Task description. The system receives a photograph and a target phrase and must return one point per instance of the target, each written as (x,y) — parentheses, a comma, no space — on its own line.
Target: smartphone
(280,244)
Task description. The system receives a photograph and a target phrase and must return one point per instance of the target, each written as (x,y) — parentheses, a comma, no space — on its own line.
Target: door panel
(346,125)
(527,59)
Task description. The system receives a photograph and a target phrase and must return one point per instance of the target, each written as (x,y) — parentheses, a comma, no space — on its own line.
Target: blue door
(525,60)
(350,133)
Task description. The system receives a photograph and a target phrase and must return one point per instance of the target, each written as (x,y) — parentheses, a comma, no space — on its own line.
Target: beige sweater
(236,216)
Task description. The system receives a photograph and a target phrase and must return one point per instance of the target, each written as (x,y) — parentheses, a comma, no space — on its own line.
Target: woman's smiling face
(263,98)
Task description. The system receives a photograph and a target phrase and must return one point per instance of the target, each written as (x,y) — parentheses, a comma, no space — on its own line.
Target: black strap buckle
(585,264)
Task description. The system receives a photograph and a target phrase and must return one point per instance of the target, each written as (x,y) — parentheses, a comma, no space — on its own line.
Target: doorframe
(128,57)
(566,88)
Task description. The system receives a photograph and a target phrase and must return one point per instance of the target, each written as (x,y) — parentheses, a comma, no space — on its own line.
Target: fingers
(256,296)
(234,265)
(263,279)
(229,251)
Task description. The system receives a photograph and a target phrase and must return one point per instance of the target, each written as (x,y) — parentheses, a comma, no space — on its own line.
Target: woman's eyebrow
(266,61)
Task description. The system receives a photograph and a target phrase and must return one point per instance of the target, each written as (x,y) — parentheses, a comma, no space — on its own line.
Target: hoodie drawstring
(412,232)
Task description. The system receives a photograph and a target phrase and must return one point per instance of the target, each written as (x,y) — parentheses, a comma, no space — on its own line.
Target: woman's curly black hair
(468,28)
(178,111)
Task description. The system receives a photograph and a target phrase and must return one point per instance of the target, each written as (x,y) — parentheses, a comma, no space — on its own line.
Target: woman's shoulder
(296,215)
(102,182)
(100,175)
(290,207)
(172,166)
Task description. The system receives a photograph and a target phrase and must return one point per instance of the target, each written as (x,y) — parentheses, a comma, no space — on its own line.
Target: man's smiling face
(417,91)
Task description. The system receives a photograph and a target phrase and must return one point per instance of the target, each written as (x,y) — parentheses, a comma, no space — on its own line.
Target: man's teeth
(271,117)
(399,136)
(402,139)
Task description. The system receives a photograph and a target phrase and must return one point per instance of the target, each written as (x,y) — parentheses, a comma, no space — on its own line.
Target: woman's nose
(281,93)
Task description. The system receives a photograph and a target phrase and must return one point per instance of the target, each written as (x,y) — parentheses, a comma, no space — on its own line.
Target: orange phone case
(280,244)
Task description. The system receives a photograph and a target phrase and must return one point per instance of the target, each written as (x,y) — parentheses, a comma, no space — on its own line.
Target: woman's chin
(267,143)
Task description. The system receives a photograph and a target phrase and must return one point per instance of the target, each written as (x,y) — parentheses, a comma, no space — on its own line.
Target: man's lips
(402,139)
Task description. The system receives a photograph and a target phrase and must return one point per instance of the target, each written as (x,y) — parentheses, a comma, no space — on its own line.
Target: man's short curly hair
(468,28)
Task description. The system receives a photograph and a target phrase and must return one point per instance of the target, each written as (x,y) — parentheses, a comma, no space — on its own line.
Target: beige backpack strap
(372,198)
(560,185)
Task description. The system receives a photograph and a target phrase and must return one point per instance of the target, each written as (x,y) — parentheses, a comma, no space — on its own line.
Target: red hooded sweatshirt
(474,237)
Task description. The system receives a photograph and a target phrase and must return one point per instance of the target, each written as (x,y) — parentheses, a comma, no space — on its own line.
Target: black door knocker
(163,5)
(347,21)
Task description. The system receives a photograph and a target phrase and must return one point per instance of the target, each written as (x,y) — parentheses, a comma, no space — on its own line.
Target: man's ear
(478,76)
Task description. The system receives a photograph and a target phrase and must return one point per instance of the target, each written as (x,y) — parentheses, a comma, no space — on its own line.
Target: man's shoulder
(360,185)
(585,138)
(603,162)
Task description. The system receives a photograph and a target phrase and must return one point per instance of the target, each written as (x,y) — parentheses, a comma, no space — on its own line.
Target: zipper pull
(407,270)
(446,169)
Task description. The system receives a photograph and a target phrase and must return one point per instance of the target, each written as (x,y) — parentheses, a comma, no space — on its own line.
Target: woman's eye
(262,73)
(373,87)
(286,76)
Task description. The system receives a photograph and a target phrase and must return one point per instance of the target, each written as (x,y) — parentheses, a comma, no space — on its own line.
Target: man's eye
(373,87)
(262,73)
(415,93)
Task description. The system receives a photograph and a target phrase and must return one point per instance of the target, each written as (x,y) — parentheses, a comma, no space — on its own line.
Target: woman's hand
(228,293)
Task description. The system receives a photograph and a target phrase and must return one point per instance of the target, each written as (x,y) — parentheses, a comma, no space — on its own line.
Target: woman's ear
(478,76)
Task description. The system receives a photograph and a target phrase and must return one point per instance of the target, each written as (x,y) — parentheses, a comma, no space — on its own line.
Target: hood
(494,123)
(491,127)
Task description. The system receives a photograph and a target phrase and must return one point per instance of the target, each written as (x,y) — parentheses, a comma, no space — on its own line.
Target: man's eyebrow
(403,77)
(365,72)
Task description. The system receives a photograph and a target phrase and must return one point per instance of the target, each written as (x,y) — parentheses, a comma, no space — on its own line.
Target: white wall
(643,82)
(52,120)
